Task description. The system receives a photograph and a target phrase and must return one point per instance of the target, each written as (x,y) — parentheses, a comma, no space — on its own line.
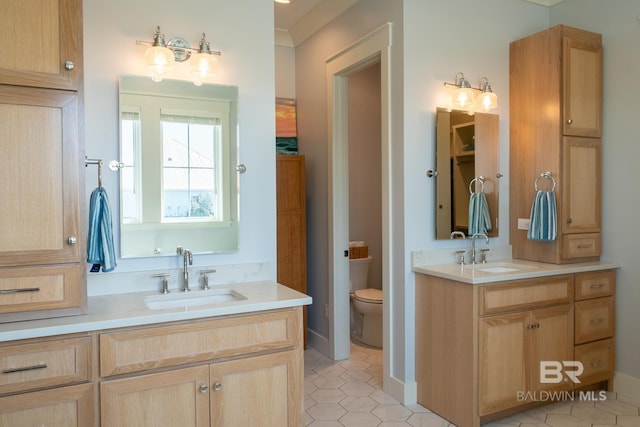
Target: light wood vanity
(242,369)
(479,346)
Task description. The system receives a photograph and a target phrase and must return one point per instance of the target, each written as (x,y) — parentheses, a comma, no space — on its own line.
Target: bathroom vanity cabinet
(239,370)
(479,347)
(47,382)
(41,252)
(236,370)
(555,92)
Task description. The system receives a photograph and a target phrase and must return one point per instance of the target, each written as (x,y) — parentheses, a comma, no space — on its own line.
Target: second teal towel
(543,221)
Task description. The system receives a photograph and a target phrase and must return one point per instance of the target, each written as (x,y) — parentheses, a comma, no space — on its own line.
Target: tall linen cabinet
(555,90)
(42,245)
(292,225)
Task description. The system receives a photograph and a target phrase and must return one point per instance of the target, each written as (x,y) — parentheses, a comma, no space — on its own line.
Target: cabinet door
(39,176)
(173,398)
(59,407)
(582,89)
(550,335)
(265,391)
(38,38)
(582,158)
(502,345)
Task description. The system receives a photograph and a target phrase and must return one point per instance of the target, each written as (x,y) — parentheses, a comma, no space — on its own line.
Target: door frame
(372,48)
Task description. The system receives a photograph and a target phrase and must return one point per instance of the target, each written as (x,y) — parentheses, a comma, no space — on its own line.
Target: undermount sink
(195,299)
(500,267)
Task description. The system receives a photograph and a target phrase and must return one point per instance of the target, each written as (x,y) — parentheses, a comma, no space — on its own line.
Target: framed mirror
(178,178)
(466,163)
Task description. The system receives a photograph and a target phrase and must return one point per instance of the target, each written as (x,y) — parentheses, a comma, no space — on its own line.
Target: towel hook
(98,162)
(547,175)
(477,179)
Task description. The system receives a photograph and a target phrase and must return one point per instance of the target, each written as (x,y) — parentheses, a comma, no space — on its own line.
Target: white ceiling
(299,19)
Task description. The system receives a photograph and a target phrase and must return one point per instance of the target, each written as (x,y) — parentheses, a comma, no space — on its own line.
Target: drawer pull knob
(597,286)
(204,388)
(25,368)
(597,321)
(585,246)
(72,240)
(16,291)
(533,325)
(598,362)
(69,65)
(217,386)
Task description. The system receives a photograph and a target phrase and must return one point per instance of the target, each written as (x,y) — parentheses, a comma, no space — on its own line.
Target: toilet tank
(359,272)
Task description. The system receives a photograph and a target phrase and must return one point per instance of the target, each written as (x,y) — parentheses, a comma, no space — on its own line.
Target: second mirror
(467,172)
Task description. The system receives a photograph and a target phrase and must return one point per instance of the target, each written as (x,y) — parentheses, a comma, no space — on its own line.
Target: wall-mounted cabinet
(42,249)
(555,125)
(41,43)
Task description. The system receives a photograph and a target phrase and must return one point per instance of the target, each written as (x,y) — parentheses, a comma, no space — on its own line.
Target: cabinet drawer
(595,285)
(525,294)
(598,359)
(581,245)
(595,319)
(156,347)
(40,288)
(70,406)
(44,364)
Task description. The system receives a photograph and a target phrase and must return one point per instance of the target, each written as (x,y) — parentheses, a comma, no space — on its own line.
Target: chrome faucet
(475,237)
(188,260)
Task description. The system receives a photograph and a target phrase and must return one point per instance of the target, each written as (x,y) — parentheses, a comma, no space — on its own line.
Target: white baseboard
(405,393)
(318,342)
(627,385)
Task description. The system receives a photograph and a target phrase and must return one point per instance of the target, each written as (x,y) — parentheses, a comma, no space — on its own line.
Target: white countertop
(473,274)
(122,310)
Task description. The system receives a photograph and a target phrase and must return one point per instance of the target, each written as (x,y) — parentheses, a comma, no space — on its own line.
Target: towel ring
(479,179)
(546,175)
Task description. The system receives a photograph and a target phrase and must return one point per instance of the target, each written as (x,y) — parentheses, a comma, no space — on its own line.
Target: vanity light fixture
(464,96)
(284,1)
(487,100)
(205,64)
(161,56)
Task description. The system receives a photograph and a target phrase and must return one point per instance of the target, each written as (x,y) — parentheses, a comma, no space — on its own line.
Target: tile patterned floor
(349,394)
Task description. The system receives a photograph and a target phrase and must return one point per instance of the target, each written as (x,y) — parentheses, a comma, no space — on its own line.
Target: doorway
(374,48)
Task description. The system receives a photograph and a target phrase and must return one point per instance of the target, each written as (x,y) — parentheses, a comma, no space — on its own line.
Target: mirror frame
(486,136)
(163,238)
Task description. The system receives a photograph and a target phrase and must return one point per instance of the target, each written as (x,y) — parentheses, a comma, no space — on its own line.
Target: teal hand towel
(479,218)
(543,221)
(100,248)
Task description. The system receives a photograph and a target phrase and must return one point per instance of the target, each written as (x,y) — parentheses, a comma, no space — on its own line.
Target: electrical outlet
(523,223)
(326,311)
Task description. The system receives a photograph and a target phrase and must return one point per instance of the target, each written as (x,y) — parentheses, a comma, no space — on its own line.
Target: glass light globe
(159,61)
(204,66)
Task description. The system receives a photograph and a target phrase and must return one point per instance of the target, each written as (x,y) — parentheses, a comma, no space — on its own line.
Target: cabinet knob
(69,65)
(204,388)
(72,240)
(217,386)
(569,121)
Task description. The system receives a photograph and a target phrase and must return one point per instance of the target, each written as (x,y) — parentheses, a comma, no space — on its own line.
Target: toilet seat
(370,295)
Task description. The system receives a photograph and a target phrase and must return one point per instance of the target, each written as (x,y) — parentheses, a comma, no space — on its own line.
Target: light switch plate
(523,223)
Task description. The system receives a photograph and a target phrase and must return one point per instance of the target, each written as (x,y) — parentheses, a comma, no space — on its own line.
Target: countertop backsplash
(143,281)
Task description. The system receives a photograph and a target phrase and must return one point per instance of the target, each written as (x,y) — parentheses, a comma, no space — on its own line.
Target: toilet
(366,305)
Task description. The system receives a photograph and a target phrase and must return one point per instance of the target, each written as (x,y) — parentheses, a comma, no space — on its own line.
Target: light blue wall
(243,31)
